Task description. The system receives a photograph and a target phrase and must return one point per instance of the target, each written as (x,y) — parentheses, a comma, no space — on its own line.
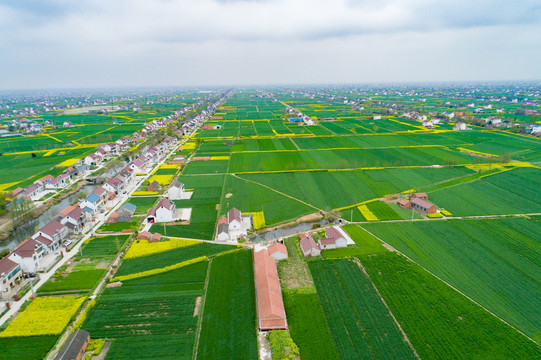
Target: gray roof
(223,228)
(129,206)
(73,345)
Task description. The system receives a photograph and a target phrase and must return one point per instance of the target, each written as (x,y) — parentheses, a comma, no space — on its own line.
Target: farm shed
(423,196)
(270,306)
(404,204)
(75,346)
(278,251)
(423,206)
(309,246)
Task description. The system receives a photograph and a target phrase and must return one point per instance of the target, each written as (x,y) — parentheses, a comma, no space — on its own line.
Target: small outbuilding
(423,206)
(278,251)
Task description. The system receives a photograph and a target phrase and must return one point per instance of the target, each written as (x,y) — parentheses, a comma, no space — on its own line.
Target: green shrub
(282,345)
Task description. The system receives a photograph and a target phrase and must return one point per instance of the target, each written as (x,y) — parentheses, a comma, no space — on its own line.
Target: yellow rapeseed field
(143,193)
(44,316)
(169,166)
(259,219)
(368,215)
(142,248)
(67,163)
(161,179)
(219,158)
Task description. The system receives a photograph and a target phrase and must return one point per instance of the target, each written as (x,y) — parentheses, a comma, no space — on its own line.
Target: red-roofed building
(421,195)
(144,235)
(309,246)
(423,206)
(155,237)
(278,251)
(11,274)
(404,204)
(28,254)
(334,239)
(270,306)
(234,219)
(164,211)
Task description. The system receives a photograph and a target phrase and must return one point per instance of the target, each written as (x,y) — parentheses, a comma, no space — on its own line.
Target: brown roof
(26,248)
(6,265)
(52,228)
(308,243)
(333,233)
(165,203)
(68,209)
(43,240)
(404,203)
(422,203)
(270,306)
(233,214)
(17,191)
(46,178)
(277,247)
(201,158)
(144,235)
(99,191)
(156,237)
(420,195)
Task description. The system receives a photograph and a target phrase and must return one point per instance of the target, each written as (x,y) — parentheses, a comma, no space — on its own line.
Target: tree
(21,210)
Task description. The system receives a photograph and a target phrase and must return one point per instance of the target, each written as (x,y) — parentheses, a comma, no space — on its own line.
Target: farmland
(495,262)
(361,324)
(440,322)
(229,320)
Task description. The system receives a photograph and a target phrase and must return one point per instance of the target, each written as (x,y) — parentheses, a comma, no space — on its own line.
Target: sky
(125,43)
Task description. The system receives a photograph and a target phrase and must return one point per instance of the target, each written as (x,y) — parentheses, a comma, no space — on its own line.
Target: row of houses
(232,227)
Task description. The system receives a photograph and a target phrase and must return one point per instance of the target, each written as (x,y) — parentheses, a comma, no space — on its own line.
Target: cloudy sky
(117,43)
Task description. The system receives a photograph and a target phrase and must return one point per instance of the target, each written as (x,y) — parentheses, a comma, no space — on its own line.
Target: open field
(511,192)
(440,322)
(361,324)
(229,316)
(496,262)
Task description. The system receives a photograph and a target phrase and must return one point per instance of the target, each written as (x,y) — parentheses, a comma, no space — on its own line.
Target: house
(125,213)
(92,159)
(333,239)
(377,117)
(536,129)
(32,192)
(91,203)
(428,124)
(164,211)
(222,233)
(11,274)
(74,219)
(234,219)
(45,180)
(155,237)
(270,306)
(154,186)
(278,251)
(28,254)
(404,204)
(66,124)
(15,193)
(75,346)
(114,185)
(309,246)
(423,206)
(138,165)
(51,235)
(422,195)
(460,126)
(58,182)
(144,235)
(176,190)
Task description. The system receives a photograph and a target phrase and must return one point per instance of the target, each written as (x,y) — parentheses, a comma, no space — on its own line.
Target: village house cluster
(42,249)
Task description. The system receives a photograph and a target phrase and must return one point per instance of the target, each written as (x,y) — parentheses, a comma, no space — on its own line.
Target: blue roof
(296,119)
(129,206)
(92,198)
(87,209)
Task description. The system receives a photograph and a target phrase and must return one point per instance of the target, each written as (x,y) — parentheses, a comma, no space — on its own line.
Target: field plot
(76,281)
(150,317)
(229,315)
(168,258)
(365,244)
(252,197)
(511,192)
(335,189)
(344,159)
(496,262)
(44,316)
(361,324)
(142,203)
(307,324)
(440,322)
(102,246)
(28,347)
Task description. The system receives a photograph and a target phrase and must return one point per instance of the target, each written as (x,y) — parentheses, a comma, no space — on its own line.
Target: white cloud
(168,42)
